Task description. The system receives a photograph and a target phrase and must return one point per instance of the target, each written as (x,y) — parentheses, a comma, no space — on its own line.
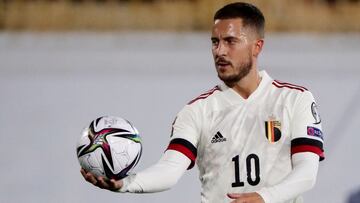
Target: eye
(231,40)
(214,41)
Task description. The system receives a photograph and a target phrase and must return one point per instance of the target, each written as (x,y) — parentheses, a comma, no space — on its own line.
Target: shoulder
(289,90)
(291,94)
(282,91)
(288,86)
(204,96)
(200,104)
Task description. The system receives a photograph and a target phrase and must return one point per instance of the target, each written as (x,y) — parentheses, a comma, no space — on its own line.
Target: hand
(101,182)
(252,197)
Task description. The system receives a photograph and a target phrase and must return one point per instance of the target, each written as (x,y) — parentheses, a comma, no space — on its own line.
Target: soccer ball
(109,147)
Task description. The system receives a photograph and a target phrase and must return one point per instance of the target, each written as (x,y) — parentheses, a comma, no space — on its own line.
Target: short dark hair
(250,14)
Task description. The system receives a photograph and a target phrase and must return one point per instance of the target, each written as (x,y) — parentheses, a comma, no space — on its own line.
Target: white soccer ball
(109,147)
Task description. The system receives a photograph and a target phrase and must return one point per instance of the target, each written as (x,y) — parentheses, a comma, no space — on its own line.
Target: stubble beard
(242,71)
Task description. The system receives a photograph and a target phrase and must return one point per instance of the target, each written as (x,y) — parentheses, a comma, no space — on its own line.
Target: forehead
(225,27)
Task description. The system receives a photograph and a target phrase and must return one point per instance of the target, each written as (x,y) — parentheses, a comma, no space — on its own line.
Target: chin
(229,80)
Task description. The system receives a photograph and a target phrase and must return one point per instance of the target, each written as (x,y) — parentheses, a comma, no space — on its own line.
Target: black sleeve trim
(185,147)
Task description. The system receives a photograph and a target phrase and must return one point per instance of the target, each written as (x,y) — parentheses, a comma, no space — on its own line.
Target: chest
(244,129)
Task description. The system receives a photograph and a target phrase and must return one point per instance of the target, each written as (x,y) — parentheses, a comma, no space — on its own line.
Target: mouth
(222,64)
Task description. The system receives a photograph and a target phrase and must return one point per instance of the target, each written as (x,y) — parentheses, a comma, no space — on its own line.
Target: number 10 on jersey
(252,158)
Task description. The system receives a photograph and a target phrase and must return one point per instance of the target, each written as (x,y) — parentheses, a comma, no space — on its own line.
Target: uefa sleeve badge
(315,113)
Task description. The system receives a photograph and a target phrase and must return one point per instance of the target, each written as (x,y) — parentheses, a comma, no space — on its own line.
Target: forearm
(159,177)
(301,179)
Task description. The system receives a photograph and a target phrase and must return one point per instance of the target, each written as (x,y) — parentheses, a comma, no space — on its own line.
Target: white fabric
(244,143)
(301,179)
(234,151)
(159,177)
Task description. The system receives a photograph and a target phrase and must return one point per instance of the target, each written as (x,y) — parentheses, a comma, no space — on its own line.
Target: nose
(220,49)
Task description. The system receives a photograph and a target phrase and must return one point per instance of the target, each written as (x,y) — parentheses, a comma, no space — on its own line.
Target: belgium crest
(273,130)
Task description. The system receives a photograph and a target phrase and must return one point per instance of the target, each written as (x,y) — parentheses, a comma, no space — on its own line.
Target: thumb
(234,195)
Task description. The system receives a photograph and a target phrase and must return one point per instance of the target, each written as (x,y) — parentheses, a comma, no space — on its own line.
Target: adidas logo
(218,138)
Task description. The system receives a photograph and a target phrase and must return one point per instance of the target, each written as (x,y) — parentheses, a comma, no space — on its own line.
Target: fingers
(234,195)
(111,184)
(83,172)
(101,182)
(116,184)
(89,177)
(251,197)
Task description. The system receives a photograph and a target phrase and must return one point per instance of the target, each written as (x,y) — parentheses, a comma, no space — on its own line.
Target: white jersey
(242,145)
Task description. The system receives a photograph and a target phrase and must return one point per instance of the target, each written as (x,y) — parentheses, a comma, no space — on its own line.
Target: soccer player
(253,138)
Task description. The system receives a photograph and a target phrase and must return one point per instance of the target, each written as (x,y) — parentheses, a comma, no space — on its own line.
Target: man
(253,138)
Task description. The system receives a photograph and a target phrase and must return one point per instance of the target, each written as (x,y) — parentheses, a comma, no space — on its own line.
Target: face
(233,50)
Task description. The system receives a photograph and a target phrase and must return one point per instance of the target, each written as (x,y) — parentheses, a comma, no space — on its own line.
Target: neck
(247,85)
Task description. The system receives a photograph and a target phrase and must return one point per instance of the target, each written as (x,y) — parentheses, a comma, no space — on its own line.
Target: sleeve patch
(185,147)
(312,131)
(299,145)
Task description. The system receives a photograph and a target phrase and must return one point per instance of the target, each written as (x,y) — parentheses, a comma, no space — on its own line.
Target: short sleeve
(185,133)
(307,135)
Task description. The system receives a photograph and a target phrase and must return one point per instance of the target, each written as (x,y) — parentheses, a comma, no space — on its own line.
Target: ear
(258,45)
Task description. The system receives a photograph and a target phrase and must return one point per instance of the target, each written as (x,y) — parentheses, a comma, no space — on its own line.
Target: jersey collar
(234,97)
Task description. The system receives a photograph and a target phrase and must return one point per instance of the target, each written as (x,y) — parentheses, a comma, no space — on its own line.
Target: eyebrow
(225,38)
(230,38)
